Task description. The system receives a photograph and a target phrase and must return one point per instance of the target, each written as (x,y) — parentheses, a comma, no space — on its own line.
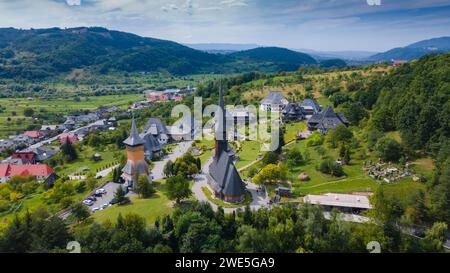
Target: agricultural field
(13,120)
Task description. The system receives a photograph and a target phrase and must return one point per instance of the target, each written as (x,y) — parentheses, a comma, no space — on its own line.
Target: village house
(292,112)
(51,130)
(34,134)
(274,101)
(158,129)
(398,62)
(349,203)
(112,121)
(73,138)
(152,147)
(42,153)
(23,157)
(141,104)
(69,124)
(6,144)
(41,172)
(21,140)
(326,120)
(310,107)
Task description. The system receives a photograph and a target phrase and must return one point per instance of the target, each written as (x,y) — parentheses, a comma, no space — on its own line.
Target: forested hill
(42,53)
(46,52)
(415,99)
(285,58)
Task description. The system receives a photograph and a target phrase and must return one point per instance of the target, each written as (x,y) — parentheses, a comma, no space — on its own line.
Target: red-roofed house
(70,136)
(42,172)
(157,97)
(399,62)
(25,157)
(34,134)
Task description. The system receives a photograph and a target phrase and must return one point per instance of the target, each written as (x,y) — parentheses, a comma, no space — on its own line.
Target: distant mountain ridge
(415,50)
(288,59)
(222,47)
(227,48)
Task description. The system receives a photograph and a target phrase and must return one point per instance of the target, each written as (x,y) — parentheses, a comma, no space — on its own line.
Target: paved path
(178,151)
(105,172)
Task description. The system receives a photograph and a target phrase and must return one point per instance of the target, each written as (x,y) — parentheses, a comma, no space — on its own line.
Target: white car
(100,191)
(88,202)
(95,209)
(104,206)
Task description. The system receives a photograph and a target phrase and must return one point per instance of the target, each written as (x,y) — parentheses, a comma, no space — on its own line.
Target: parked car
(100,191)
(113,201)
(104,206)
(88,202)
(92,198)
(95,209)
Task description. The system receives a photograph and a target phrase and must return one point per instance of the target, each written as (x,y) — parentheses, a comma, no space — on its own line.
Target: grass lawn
(248,153)
(150,208)
(292,128)
(355,179)
(247,199)
(424,166)
(207,146)
(110,156)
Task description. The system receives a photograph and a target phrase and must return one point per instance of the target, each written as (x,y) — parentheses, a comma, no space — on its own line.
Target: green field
(150,208)
(248,153)
(292,129)
(110,156)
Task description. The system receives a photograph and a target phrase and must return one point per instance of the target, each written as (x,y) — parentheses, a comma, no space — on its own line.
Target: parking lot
(107,197)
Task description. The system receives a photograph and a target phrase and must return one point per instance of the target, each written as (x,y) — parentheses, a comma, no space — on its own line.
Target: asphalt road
(110,188)
(178,151)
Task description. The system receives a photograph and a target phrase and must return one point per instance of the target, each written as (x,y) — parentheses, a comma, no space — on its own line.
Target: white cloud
(73,2)
(234,3)
(316,24)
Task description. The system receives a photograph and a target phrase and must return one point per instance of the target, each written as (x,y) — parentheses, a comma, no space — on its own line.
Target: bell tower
(136,164)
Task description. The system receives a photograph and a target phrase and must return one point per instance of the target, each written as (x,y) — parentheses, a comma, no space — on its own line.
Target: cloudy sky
(312,24)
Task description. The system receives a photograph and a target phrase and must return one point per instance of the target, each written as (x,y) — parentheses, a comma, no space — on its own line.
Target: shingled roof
(155,126)
(293,111)
(151,143)
(223,176)
(134,139)
(274,97)
(326,120)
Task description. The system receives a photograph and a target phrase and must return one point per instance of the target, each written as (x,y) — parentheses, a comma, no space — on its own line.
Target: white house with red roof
(42,172)
(34,134)
(73,138)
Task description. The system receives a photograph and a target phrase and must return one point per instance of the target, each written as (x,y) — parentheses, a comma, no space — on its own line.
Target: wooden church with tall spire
(136,164)
(223,177)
